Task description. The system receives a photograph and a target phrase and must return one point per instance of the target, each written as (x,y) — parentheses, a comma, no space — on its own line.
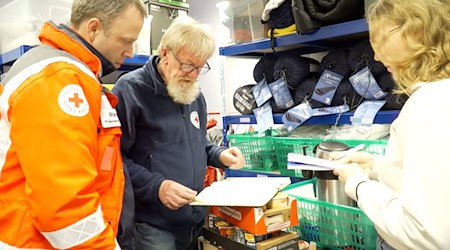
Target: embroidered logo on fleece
(72,101)
(195,120)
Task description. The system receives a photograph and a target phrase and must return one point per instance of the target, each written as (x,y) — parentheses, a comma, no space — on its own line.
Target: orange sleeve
(211,123)
(56,141)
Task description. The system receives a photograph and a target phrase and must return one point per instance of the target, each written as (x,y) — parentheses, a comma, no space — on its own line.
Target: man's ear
(164,54)
(93,27)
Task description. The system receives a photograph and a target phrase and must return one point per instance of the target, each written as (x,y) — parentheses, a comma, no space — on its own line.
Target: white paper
(241,191)
(303,162)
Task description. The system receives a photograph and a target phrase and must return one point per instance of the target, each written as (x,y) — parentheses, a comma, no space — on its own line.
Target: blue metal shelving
(382,117)
(133,63)
(9,57)
(315,41)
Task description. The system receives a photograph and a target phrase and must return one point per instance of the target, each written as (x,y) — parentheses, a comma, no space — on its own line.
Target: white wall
(237,72)
(205,12)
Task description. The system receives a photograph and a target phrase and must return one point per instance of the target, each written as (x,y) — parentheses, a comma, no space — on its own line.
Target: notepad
(303,162)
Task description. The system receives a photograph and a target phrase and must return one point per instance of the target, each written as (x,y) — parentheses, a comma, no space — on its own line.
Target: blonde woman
(405,193)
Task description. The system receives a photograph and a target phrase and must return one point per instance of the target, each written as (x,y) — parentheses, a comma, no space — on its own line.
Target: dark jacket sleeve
(145,183)
(213,152)
(126,224)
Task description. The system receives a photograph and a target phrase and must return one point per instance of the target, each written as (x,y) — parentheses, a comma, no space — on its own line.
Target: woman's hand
(364,159)
(345,172)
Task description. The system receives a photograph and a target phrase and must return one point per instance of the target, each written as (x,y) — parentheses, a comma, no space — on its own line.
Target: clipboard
(241,191)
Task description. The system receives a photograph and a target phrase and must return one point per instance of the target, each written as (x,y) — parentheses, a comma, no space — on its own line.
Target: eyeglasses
(379,43)
(390,32)
(188,68)
(386,35)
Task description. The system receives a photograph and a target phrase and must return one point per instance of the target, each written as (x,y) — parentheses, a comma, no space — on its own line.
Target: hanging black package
(282,97)
(293,68)
(275,108)
(387,84)
(305,89)
(394,101)
(312,14)
(345,94)
(385,81)
(264,68)
(336,61)
(361,55)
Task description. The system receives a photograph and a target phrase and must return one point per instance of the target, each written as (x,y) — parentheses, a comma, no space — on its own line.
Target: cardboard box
(243,201)
(258,221)
(284,241)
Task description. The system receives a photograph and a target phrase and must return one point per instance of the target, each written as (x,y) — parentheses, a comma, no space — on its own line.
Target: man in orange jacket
(61,175)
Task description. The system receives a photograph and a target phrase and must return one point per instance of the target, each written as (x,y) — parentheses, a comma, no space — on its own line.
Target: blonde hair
(187,33)
(425,27)
(105,10)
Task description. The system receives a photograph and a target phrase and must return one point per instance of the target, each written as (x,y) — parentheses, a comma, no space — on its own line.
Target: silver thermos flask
(328,186)
(331,190)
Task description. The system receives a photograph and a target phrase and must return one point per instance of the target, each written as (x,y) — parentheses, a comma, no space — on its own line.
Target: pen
(349,151)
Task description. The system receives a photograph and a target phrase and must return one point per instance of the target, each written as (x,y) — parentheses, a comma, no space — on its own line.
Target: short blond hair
(105,10)
(189,34)
(425,26)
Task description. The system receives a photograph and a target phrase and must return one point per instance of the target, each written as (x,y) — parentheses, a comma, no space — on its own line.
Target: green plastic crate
(258,151)
(333,226)
(305,146)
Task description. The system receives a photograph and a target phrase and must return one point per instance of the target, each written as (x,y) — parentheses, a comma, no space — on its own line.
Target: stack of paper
(303,162)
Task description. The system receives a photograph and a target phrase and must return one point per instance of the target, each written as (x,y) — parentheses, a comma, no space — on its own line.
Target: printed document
(303,162)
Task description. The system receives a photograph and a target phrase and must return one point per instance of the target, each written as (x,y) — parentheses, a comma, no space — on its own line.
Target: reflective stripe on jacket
(61,176)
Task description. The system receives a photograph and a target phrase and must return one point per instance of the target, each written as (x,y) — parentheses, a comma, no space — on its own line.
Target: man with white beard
(163,115)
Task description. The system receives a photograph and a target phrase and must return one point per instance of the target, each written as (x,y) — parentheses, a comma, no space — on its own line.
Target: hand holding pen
(355,161)
(354,155)
(342,154)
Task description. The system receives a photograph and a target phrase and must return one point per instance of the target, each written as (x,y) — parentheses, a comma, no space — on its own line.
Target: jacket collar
(151,68)
(64,38)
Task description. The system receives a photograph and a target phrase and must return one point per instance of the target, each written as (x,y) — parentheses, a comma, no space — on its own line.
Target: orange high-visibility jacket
(61,176)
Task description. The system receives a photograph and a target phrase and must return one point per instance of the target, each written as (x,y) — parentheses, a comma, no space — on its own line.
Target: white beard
(182,92)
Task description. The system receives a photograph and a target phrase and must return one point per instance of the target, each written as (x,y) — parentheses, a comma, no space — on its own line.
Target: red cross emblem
(195,120)
(76,100)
